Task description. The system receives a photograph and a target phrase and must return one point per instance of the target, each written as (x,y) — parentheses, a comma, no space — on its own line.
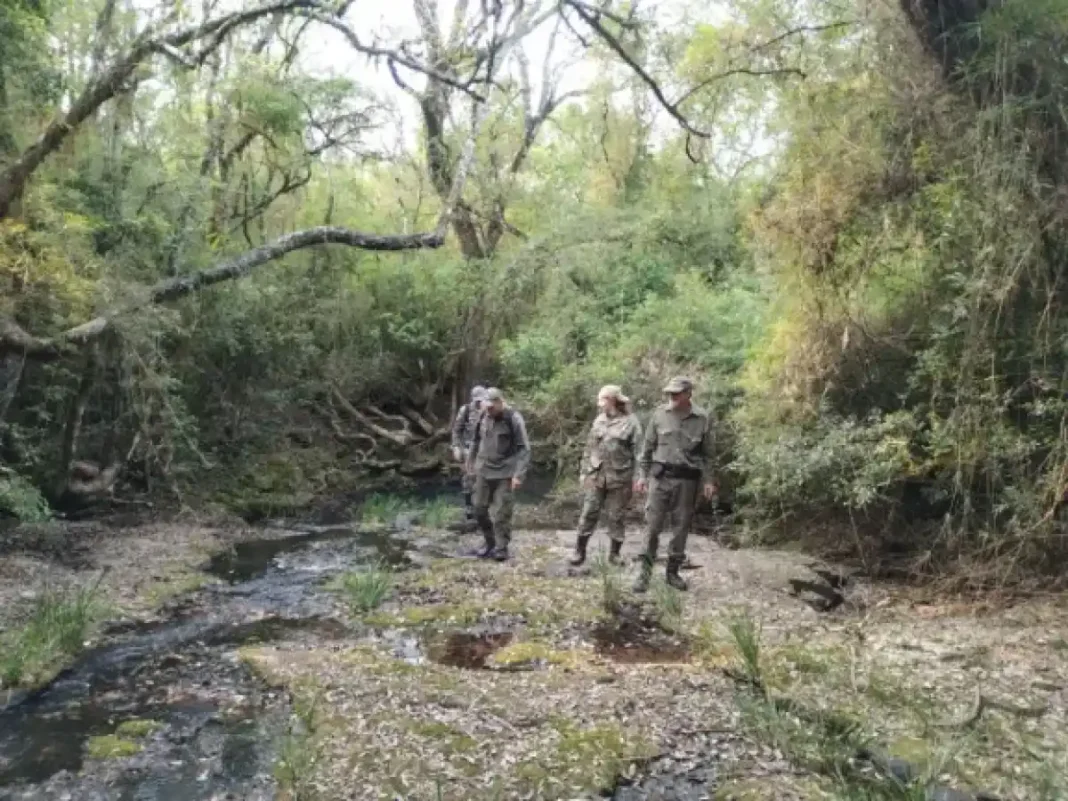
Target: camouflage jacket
(612,449)
(463,427)
(677,440)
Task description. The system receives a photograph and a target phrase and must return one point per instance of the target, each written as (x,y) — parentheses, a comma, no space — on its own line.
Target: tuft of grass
(381,509)
(21,499)
(55,631)
(668,603)
(300,751)
(611,579)
(111,746)
(136,729)
(365,590)
(439,513)
(746,634)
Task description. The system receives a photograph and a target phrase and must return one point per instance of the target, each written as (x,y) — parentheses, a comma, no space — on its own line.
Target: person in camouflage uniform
(608,471)
(499,458)
(676,463)
(463,434)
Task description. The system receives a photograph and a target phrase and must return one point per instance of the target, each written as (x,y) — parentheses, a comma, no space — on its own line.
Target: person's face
(495,407)
(606,404)
(678,400)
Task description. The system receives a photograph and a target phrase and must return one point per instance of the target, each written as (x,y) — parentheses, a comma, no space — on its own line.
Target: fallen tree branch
(13,339)
(402,438)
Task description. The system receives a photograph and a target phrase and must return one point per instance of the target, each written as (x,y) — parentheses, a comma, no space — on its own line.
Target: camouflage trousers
(494,504)
(675,498)
(613,501)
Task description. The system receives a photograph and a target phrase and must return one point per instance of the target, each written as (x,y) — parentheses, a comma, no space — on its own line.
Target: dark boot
(470,521)
(614,557)
(500,554)
(488,546)
(673,578)
(580,550)
(642,582)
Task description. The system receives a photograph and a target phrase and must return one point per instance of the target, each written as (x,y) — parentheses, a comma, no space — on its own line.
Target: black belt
(684,471)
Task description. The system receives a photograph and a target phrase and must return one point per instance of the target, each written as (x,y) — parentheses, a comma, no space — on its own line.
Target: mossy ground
(552,717)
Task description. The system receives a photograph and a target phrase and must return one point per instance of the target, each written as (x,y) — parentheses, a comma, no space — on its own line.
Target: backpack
(509,418)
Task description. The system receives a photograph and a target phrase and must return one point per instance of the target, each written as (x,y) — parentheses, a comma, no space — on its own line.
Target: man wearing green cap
(676,462)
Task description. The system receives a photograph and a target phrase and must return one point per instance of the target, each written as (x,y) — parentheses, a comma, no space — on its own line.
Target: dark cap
(678,384)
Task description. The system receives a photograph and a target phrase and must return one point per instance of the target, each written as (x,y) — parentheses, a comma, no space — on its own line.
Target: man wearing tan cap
(677,459)
(463,433)
(608,471)
(499,457)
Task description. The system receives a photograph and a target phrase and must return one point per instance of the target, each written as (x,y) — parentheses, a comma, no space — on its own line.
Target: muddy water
(218,725)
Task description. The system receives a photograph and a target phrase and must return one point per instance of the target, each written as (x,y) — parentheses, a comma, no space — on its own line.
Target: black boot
(642,583)
(488,546)
(580,550)
(614,557)
(673,578)
(470,521)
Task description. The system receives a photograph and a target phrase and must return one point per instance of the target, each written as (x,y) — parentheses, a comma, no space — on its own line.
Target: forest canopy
(250,250)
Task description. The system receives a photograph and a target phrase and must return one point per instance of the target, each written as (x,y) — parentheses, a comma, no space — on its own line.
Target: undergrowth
(55,630)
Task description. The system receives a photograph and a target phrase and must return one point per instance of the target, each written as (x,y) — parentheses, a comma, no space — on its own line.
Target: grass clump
(300,751)
(137,729)
(439,513)
(55,631)
(668,603)
(381,509)
(611,579)
(746,634)
(365,590)
(111,746)
(22,500)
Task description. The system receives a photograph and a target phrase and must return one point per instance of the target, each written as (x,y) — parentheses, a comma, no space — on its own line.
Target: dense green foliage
(862,272)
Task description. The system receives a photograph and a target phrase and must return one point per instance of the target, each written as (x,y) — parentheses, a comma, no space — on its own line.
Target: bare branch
(617,47)
(719,76)
(395,57)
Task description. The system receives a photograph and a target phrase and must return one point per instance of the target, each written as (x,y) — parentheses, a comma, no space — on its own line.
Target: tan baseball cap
(494,394)
(614,391)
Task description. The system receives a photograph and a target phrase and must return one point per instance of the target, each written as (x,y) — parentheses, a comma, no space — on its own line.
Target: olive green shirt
(612,449)
(500,448)
(679,439)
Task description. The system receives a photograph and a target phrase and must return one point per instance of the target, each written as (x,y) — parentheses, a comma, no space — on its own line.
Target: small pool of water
(251,558)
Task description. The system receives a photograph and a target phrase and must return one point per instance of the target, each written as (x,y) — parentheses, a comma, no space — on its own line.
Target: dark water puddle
(204,704)
(630,643)
(219,724)
(467,650)
(249,559)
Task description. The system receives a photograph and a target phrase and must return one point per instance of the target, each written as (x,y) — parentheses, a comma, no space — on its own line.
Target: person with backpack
(463,433)
(608,464)
(498,459)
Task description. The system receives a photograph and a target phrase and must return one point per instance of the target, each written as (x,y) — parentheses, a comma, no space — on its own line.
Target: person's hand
(587,482)
(640,485)
(457,455)
(710,489)
(517,483)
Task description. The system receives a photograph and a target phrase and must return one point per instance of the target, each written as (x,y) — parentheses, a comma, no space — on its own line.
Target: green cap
(678,384)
